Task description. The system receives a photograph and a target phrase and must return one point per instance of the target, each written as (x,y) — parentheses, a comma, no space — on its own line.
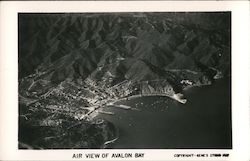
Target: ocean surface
(162,123)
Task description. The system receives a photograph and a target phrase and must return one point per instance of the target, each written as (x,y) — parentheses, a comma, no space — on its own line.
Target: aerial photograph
(124,80)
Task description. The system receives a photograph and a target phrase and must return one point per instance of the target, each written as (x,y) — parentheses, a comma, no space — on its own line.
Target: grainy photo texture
(124,80)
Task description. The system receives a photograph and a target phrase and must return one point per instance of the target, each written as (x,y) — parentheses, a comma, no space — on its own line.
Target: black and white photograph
(124,80)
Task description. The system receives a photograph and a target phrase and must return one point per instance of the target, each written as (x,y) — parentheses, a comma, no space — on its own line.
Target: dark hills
(123,45)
